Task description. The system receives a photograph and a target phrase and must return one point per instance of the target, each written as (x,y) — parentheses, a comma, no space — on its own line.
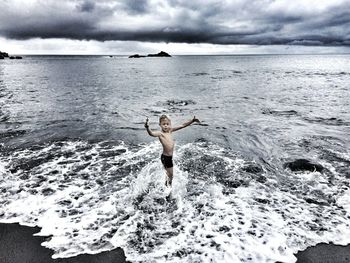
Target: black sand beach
(269,160)
(325,253)
(18,245)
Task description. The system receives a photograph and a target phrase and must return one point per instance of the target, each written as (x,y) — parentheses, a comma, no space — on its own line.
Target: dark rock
(137,56)
(4,54)
(15,57)
(160,54)
(303,165)
(2,57)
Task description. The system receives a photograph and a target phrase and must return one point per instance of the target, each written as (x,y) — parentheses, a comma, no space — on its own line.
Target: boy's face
(165,125)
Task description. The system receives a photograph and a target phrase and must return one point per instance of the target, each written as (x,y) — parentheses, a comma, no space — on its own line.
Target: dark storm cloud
(136,6)
(264,22)
(86,6)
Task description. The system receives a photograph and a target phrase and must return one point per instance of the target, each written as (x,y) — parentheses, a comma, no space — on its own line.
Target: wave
(327,121)
(333,121)
(197,74)
(223,207)
(287,113)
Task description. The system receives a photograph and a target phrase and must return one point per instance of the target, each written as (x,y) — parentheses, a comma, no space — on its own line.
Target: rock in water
(4,54)
(303,165)
(137,56)
(160,54)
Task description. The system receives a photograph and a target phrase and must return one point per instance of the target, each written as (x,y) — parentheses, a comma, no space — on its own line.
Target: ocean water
(76,160)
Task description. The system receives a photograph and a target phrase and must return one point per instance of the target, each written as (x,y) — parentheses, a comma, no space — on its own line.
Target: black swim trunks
(167,161)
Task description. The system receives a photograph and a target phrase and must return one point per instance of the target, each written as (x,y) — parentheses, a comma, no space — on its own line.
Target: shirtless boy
(166,139)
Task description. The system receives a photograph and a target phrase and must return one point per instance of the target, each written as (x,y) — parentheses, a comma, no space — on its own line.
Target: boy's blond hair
(163,117)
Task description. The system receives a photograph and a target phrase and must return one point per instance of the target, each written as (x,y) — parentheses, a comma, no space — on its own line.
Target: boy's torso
(166,139)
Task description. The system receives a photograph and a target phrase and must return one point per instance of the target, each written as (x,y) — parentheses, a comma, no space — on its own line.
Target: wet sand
(18,245)
(325,253)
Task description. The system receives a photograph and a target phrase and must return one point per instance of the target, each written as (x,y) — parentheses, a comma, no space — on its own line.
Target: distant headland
(160,54)
(4,55)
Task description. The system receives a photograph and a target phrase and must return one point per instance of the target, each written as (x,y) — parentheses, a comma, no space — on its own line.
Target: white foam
(344,201)
(198,220)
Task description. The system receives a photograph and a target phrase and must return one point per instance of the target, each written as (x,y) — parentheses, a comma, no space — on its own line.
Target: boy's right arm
(151,133)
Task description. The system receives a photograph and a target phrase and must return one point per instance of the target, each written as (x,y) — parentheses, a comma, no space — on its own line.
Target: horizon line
(241,54)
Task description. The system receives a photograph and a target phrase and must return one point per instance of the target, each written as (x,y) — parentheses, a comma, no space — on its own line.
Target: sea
(76,160)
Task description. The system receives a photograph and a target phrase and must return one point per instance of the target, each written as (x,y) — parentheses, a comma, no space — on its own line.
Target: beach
(18,243)
(265,174)
(324,253)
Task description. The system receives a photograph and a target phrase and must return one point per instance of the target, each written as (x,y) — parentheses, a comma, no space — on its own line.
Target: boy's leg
(169,175)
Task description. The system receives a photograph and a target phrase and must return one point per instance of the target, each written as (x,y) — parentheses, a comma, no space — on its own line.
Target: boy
(166,139)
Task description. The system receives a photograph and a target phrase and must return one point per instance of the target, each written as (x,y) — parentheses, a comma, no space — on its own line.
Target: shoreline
(17,242)
(324,253)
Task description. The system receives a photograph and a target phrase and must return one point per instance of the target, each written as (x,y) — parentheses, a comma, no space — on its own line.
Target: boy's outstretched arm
(188,123)
(151,133)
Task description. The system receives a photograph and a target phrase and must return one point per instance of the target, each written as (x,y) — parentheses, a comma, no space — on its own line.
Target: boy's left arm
(184,125)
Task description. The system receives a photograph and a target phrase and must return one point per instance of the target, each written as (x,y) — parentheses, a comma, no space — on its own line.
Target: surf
(222,207)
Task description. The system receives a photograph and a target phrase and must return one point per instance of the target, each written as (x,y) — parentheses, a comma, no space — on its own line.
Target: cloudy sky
(175,26)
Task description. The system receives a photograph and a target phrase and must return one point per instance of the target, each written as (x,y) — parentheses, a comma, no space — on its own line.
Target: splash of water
(222,207)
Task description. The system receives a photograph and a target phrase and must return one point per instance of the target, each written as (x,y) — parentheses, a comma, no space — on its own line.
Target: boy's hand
(146,123)
(195,119)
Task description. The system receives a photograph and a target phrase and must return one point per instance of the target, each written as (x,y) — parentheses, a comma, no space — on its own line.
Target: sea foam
(93,197)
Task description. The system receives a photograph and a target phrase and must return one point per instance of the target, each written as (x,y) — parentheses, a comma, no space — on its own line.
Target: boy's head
(163,117)
(164,123)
